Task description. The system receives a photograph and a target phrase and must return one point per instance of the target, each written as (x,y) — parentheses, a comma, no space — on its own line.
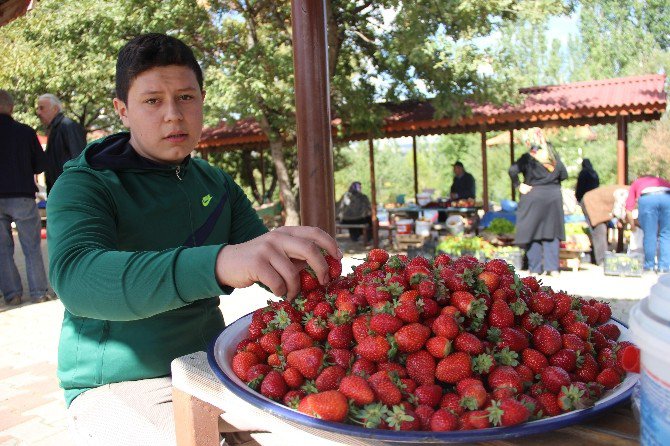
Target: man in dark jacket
(66,138)
(21,157)
(464,183)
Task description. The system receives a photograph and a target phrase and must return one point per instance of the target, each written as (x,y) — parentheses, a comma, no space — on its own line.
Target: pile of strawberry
(452,344)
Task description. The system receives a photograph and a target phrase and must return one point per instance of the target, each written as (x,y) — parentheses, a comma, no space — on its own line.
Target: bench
(340,227)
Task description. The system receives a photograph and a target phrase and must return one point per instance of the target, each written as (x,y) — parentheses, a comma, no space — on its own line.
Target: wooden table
(200,398)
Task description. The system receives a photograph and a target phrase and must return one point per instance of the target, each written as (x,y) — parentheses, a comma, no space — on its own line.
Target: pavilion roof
(11,9)
(639,98)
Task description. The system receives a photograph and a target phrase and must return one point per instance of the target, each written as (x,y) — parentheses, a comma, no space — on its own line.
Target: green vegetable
(501,226)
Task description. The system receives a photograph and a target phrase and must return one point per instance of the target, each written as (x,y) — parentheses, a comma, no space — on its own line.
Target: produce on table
(501,226)
(452,344)
(460,245)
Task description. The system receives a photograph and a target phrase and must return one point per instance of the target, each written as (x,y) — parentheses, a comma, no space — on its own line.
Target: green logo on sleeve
(206,199)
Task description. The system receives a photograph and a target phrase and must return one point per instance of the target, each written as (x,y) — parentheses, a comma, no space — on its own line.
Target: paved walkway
(32,411)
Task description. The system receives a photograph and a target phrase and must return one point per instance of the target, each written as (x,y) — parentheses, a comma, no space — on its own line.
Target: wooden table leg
(196,422)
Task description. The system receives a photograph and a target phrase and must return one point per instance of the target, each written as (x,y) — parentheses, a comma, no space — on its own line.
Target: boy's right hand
(276,258)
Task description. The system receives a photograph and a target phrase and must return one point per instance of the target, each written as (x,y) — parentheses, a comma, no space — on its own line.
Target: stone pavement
(32,409)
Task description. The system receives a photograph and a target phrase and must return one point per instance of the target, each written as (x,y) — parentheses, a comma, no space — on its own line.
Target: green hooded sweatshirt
(132,247)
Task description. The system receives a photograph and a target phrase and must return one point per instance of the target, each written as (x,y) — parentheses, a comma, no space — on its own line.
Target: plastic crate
(628,265)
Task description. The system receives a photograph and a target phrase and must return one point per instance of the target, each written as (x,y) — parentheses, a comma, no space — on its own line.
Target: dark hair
(149,51)
(458,164)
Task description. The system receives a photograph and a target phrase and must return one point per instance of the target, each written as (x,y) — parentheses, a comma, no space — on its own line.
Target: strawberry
(547,340)
(610,331)
(542,303)
(407,309)
(329,378)
(512,338)
(468,343)
(256,373)
(441,259)
(412,337)
(270,341)
(334,267)
(341,336)
(427,288)
(475,419)
(580,329)
(378,255)
(384,323)
(385,389)
(293,397)
(548,404)
(415,274)
(553,378)
(308,361)
(293,378)
(439,347)
(587,368)
(452,402)
(445,326)
(609,378)
(316,328)
(466,303)
(607,358)
(253,347)
(497,266)
(403,418)
(505,377)
(500,315)
(491,280)
(421,367)
(531,282)
(604,312)
(419,261)
(273,386)
(428,394)
(454,368)
(562,304)
(443,420)
(424,413)
(565,359)
(374,348)
(308,280)
(296,340)
(535,360)
(340,356)
(242,362)
(363,367)
(508,412)
(573,342)
(330,405)
(591,314)
(357,389)
(394,367)
(473,395)
(574,397)
(323,310)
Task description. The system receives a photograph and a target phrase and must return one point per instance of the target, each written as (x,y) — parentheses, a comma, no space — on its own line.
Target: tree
(69,48)
(378,50)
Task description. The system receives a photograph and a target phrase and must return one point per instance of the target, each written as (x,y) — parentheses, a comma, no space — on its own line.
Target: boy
(143,239)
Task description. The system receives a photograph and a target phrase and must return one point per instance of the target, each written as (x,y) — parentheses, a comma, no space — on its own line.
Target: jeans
(654,218)
(23,212)
(543,255)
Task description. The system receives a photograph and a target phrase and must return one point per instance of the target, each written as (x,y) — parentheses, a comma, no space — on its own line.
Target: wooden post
(512,159)
(373,195)
(416,171)
(262,175)
(312,93)
(196,422)
(622,150)
(485,173)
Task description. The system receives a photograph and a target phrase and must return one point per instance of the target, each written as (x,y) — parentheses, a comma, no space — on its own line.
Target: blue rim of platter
(494,433)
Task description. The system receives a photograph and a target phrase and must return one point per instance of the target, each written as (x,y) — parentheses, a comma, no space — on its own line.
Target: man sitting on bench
(354,209)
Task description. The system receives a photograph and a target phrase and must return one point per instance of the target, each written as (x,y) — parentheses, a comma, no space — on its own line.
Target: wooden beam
(373,195)
(512,159)
(622,150)
(485,173)
(262,155)
(416,171)
(196,422)
(312,93)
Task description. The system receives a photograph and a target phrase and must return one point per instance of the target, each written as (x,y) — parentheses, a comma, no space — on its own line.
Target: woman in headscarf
(539,224)
(587,180)
(354,208)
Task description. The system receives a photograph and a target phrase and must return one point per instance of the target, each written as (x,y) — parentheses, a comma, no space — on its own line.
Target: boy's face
(163,113)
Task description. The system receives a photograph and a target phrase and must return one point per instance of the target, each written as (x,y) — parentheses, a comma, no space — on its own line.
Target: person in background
(354,208)
(652,196)
(66,138)
(463,185)
(586,181)
(598,205)
(540,225)
(21,158)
